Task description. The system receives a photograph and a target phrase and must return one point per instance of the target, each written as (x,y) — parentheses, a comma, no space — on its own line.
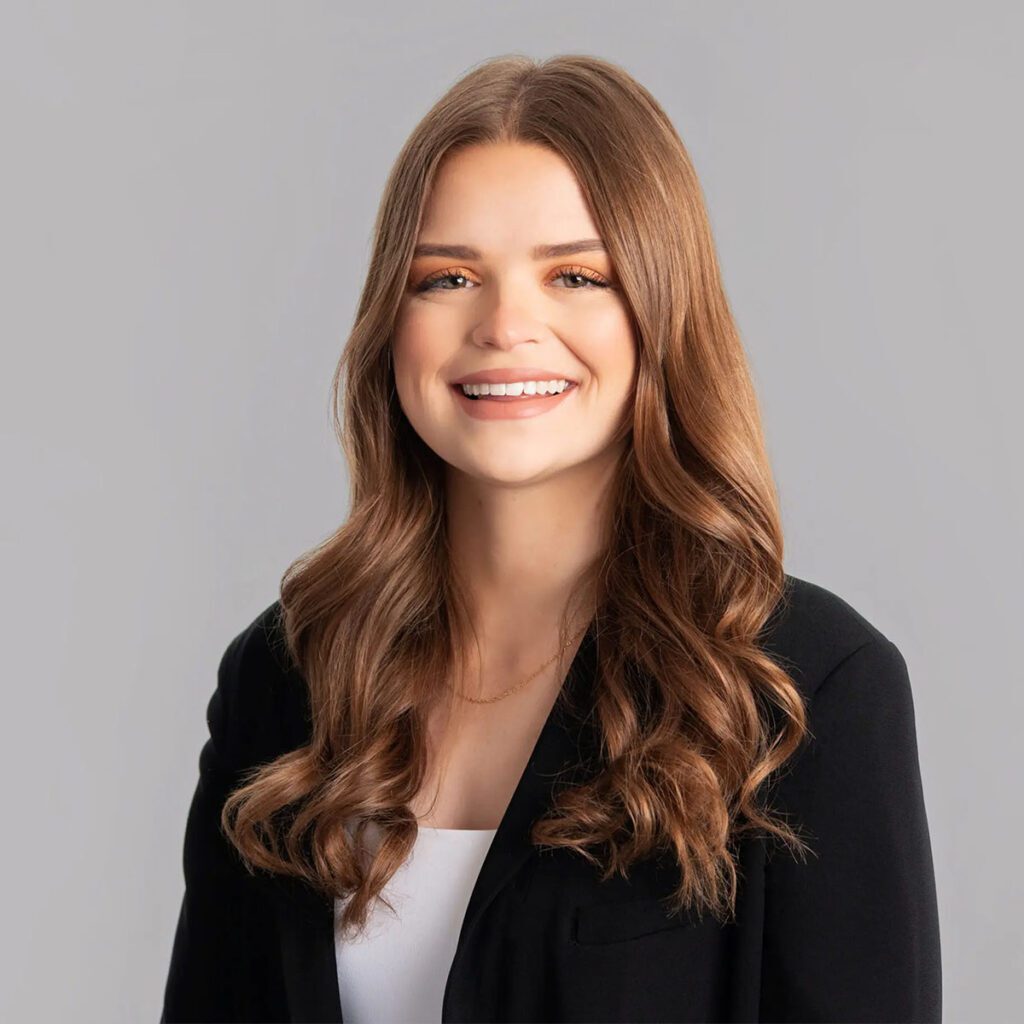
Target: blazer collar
(306,920)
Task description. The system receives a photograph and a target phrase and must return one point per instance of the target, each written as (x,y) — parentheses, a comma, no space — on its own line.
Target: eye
(582,279)
(433,282)
(588,277)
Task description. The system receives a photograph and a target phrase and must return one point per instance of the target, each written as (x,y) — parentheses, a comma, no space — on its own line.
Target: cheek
(413,346)
(421,349)
(608,346)
(424,339)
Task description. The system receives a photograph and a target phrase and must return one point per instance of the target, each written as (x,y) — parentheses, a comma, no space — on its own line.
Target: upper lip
(512,375)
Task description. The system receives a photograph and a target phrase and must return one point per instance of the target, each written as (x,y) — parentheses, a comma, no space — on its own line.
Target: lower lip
(502,408)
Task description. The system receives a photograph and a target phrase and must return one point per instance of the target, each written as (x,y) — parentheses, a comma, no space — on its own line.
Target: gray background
(188,192)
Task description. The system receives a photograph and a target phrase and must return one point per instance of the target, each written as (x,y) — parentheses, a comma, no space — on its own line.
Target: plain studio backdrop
(188,194)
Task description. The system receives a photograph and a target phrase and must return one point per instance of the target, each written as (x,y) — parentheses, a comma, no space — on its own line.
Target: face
(495,301)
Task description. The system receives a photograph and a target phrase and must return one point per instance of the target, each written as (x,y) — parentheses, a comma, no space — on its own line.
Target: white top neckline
(396,972)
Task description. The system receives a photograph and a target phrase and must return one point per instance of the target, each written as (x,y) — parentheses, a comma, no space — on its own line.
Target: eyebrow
(539,252)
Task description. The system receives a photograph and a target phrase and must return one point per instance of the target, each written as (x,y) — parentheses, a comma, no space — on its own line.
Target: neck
(520,552)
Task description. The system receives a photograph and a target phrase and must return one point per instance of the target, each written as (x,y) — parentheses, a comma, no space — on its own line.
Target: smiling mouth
(512,398)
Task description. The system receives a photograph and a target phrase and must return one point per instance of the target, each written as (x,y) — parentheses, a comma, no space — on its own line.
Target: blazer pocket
(599,923)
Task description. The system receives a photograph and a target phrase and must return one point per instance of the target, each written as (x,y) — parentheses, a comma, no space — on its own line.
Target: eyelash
(428,284)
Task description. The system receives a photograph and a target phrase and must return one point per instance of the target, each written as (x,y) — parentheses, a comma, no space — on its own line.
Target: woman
(544,732)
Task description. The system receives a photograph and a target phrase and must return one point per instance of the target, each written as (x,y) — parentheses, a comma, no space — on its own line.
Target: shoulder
(260,708)
(859,903)
(860,752)
(815,635)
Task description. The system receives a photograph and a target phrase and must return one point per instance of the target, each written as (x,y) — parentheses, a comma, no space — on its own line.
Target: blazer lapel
(306,931)
(306,920)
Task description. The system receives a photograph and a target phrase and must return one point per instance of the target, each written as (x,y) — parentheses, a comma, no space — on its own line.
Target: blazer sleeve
(852,932)
(224,964)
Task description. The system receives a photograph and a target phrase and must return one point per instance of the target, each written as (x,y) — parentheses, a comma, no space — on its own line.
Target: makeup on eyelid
(592,280)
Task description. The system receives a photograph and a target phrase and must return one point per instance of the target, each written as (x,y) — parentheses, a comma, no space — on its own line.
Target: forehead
(506,196)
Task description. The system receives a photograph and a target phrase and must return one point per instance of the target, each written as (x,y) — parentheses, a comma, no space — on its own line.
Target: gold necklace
(518,686)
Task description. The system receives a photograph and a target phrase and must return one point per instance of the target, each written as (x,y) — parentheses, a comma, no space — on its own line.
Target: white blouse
(396,973)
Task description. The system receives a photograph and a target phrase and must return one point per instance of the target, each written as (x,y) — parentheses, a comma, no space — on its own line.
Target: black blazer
(849,935)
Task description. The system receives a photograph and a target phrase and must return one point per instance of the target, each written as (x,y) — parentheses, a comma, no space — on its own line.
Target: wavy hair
(693,715)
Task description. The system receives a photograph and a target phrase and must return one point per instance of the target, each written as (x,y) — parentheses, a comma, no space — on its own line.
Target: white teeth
(520,387)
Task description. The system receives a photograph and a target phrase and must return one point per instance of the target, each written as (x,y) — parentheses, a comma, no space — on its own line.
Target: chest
(477,755)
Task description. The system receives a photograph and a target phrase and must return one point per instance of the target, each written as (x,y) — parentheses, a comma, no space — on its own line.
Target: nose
(505,327)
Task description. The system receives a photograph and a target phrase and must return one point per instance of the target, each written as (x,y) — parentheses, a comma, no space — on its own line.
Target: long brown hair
(375,616)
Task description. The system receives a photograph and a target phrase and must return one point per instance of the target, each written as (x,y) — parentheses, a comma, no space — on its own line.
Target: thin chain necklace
(518,686)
